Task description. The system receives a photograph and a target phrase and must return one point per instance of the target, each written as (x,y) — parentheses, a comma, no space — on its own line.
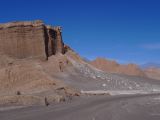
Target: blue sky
(124,30)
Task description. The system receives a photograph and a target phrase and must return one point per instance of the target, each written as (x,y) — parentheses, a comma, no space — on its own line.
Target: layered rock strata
(30,39)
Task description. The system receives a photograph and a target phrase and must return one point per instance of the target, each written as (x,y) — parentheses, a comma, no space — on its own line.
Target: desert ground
(122,107)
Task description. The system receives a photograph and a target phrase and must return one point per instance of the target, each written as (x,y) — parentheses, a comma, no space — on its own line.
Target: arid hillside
(153,73)
(31,53)
(128,69)
(113,67)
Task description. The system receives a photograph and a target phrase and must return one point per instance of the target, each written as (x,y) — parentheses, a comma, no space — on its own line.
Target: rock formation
(30,39)
(114,67)
(32,81)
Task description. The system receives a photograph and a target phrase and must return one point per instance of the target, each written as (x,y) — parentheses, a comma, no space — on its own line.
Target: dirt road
(128,107)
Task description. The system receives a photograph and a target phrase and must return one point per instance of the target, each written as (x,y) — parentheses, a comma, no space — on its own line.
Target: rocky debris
(25,100)
(30,39)
(114,67)
(96,79)
(28,100)
(68,91)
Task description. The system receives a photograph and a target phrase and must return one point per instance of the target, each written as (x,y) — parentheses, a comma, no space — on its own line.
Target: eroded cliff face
(30,39)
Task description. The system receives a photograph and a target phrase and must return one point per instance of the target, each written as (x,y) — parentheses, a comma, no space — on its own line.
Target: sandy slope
(31,78)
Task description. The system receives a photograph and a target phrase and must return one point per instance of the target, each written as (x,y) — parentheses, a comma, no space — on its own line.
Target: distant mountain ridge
(114,67)
(153,73)
(149,70)
(150,65)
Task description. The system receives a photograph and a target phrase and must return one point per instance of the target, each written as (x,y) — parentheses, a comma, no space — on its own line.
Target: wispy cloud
(152,46)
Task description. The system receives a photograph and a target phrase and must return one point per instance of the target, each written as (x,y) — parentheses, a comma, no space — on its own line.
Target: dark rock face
(30,39)
(54,42)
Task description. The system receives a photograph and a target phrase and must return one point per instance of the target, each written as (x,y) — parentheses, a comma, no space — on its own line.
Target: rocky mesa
(31,53)
(30,39)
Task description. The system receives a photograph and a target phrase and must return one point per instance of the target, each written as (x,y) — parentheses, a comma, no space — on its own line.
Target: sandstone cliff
(114,67)
(30,39)
(27,81)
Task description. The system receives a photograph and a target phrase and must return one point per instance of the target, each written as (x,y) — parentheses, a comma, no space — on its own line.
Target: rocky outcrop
(114,67)
(30,39)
